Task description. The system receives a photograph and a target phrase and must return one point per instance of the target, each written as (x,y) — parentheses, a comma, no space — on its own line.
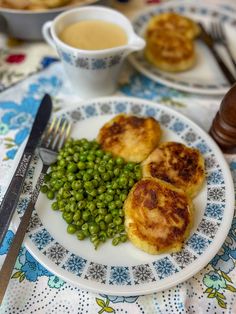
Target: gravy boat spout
(136,43)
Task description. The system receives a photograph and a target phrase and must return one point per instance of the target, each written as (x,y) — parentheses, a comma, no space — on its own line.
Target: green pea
(86,215)
(50,195)
(85,226)
(88,185)
(119,161)
(77,216)
(80,235)
(72,167)
(55,206)
(81,204)
(102,225)
(101,169)
(91,206)
(44,189)
(71,229)
(123,197)
(93,237)
(116,241)
(82,158)
(76,185)
(102,211)
(67,185)
(123,238)
(68,217)
(94,228)
(108,198)
(93,192)
(81,165)
(61,204)
(101,189)
(112,205)
(91,157)
(106,176)
(99,153)
(47,177)
(108,218)
(79,196)
(71,177)
(98,218)
(117,221)
(110,233)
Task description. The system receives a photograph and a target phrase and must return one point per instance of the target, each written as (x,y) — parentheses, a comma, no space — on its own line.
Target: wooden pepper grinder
(223,128)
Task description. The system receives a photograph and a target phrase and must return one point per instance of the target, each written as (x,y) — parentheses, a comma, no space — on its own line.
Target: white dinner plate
(205,77)
(124,269)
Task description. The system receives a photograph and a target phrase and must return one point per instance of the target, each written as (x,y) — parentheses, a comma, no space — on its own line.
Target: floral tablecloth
(33,289)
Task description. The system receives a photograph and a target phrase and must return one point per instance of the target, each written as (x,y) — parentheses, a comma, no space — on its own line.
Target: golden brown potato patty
(130,137)
(169,42)
(173,23)
(158,216)
(177,164)
(170,52)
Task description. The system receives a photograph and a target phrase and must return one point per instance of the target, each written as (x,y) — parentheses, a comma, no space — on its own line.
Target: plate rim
(140,290)
(141,69)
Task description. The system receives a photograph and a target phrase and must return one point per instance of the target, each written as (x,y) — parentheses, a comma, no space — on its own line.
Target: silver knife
(208,40)
(13,192)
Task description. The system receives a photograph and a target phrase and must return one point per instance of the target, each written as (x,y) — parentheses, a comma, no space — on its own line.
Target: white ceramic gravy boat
(92,73)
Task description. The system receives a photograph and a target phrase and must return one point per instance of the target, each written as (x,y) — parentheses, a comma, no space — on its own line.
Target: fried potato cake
(49,3)
(177,164)
(130,137)
(158,216)
(173,23)
(170,52)
(33,5)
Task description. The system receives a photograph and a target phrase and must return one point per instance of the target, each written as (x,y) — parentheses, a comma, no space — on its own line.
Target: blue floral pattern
(19,117)
(75,264)
(32,269)
(198,243)
(164,267)
(6,242)
(120,276)
(142,87)
(41,238)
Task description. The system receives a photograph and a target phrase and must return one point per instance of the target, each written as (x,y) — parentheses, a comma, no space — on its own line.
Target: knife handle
(12,194)
(229,76)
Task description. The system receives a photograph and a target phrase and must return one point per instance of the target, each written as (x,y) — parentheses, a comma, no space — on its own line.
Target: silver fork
(53,140)
(219,36)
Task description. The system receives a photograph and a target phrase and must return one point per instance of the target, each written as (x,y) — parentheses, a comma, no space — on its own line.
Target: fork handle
(229,76)
(9,262)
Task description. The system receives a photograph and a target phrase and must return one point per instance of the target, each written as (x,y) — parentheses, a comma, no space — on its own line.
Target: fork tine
(67,133)
(53,134)
(221,31)
(63,134)
(48,131)
(214,32)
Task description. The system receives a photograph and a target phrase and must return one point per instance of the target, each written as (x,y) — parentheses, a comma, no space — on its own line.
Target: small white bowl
(27,25)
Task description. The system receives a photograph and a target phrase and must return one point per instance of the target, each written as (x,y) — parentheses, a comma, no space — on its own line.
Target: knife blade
(208,40)
(13,192)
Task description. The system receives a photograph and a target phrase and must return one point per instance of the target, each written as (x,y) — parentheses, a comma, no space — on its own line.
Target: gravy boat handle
(46,31)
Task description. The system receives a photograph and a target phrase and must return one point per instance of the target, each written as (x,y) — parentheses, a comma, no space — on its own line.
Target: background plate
(125,270)
(205,77)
